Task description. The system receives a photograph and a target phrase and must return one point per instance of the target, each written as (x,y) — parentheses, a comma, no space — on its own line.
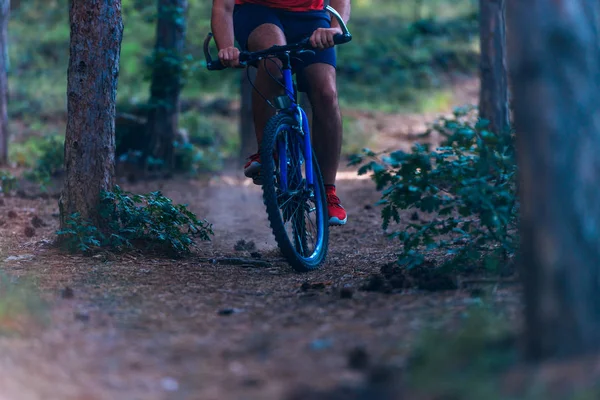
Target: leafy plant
(150,221)
(81,235)
(8,182)
(465,192)
(466,357)
(48,153)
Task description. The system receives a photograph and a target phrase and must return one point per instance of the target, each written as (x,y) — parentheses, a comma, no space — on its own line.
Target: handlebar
(247,57)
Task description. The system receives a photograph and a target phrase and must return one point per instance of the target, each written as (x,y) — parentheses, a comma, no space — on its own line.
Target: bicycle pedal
(257,180)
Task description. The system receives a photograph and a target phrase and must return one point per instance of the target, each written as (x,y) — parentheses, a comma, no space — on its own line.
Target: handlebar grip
(341,38)
(215,66)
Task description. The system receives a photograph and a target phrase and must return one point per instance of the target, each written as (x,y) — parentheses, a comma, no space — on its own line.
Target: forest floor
(135,326)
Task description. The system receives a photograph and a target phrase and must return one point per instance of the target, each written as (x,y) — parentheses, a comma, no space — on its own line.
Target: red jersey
(289,5)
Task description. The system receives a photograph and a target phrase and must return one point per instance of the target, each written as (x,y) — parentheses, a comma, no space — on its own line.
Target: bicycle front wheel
(297,210)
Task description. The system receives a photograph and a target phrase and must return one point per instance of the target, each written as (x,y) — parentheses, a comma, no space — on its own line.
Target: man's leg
(263,37)
(327,119)
(327,131)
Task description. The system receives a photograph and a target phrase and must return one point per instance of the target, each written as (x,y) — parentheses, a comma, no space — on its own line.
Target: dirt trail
(137,327)
(146,328)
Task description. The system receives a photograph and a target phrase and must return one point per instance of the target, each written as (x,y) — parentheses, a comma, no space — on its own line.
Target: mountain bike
(292,185)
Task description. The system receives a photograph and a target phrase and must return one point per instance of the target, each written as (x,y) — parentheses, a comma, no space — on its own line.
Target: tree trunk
(96,33)
(493,95)
(554,56)
(248,144)
(4,134)
(166,80)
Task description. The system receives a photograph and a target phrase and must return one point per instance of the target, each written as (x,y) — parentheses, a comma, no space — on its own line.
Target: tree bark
(95,45)
(248,144)
(554,55)
(166,81)
(4,133)
(493,96)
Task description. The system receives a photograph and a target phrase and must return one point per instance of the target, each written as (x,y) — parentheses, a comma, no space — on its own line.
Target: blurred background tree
(555,59)
(4,64)
(493,99)
(167,80)
(405,57)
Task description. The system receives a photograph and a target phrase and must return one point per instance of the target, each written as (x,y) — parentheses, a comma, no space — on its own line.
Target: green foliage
(20,305)
(49,154)
(464,363)
(150,221)
(399,52)
(465,192)
(8,182)
(193,159)
(52,156)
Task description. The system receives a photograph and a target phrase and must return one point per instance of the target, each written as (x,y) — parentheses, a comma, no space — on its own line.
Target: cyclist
(259,24)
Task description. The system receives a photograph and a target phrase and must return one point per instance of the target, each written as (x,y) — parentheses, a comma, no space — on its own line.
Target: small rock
(376,283)
(252,382)
(255,254)
(21,257)
(29,231)
(242,245)
(321,344)
(37,222)
(414,216)
(82,316)
(314,285)
(67,293)
(169,384)
(368,207)
(2,202)
(346,293)
(12,214)
(358,358)
(229,311)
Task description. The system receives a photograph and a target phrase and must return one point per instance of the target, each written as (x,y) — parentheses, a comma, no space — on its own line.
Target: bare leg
(327,119)
(262,38)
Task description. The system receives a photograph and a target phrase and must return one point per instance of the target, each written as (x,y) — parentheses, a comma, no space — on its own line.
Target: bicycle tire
(288,247)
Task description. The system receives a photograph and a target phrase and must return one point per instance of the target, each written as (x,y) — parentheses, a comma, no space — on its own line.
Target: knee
(325,97)
(270,68)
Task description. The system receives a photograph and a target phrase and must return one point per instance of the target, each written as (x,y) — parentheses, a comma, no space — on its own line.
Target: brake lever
(306,51)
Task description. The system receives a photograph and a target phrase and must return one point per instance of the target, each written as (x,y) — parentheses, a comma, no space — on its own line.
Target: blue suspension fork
(308,165)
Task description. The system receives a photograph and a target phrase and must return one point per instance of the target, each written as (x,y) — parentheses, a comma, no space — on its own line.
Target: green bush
(397,48)
(150,221)
(8,182)
(465,192)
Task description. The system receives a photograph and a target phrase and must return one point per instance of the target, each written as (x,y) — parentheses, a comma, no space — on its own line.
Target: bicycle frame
(300,115)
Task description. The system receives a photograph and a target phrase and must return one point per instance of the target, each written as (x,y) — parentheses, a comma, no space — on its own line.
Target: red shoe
(252,167)
(337,214)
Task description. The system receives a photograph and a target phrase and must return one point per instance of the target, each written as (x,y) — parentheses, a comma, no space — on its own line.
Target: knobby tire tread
(270,199)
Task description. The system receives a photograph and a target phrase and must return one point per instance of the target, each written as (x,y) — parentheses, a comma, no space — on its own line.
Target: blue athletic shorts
(295,26)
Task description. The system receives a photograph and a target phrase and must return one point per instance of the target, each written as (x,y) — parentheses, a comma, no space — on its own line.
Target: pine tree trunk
(166,80)
(554,56)
(4,133)
(96,33)
(248,144)
(493,96)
